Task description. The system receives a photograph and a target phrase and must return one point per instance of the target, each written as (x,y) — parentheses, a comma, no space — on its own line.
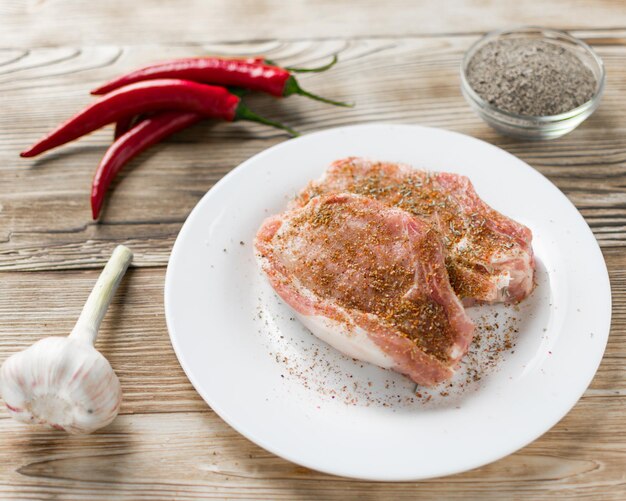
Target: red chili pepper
(143,97)
(123,125)
(255,59)
(148,132)
(266,78)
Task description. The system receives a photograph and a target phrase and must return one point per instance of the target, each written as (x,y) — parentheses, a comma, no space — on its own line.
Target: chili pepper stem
(238,91)
(245,113)
(293,87)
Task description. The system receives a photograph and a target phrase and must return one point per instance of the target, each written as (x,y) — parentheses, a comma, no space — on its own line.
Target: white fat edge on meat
(455,351)
(520,273)
(352,341)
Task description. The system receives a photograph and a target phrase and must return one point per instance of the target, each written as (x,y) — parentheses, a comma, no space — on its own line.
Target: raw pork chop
(370,280)
(489,256)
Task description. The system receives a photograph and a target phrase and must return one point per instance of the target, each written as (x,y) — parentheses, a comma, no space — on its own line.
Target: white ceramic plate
(271,380)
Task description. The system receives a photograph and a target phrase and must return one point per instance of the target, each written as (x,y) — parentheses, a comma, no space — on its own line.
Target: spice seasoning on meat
(530,77)
(359,271)
(474,241)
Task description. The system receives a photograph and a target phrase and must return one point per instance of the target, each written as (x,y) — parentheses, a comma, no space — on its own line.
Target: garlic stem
(86,328)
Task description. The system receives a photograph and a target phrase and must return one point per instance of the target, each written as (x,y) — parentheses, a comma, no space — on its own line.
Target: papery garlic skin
(62,383)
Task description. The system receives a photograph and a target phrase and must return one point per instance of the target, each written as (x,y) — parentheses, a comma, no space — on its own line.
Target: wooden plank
(29,23)
(133,336)
(197,456)
(45,218)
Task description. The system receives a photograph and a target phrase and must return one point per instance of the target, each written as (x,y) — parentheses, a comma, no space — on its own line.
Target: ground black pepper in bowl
(532,82)
(530,77)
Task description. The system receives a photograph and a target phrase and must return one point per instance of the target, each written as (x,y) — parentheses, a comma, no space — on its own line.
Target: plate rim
(232,422)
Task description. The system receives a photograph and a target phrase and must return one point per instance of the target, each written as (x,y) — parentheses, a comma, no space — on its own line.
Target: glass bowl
(535,127)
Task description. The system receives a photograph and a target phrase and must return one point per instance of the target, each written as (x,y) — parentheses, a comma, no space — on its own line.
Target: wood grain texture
(399,62)
(197,456)
(33,23)
(133,336)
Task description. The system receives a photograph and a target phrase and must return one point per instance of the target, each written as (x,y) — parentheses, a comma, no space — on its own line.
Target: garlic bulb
(64,382)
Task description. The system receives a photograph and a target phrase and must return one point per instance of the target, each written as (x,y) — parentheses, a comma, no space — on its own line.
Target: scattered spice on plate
(329,375)
(530,77)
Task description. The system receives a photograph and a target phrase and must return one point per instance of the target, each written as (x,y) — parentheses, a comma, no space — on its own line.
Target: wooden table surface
(399,62)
